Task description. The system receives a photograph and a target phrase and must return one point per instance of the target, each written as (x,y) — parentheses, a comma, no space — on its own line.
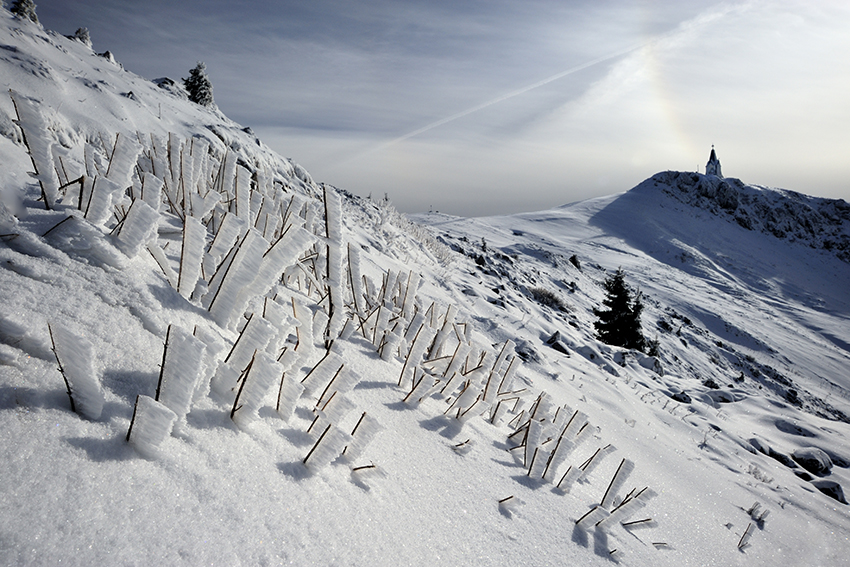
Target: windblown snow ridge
(815,222)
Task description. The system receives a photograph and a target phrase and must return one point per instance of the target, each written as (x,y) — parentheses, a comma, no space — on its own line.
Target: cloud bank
(479,108)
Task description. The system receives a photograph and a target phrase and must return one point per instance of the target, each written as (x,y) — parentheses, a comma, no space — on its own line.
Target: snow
(752,320)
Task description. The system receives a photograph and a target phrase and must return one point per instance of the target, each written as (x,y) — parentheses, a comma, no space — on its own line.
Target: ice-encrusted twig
(75,357)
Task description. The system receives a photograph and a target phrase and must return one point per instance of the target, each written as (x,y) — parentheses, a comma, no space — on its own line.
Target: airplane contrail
(512,94)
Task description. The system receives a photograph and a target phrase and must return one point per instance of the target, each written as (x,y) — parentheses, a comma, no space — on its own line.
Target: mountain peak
(816,222)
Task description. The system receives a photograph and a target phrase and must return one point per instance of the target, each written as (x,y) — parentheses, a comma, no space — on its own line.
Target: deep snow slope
(440,338)
(85,95)
(752,325)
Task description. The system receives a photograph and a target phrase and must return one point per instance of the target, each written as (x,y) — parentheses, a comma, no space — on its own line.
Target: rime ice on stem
(333,229)
(191,256)
(37,139)
(75,357)
(263,373)
(420,344)
(343,381)
(150,426)
(627,508)
(98,206)
(275,260)
(623,471)
(329,445)
(139,228)
(355,280)
(510,505)
(323,372)
(122,162)
(254,336)
(238,273)
(288,394)
(181,368)
(225,237)
(364,432)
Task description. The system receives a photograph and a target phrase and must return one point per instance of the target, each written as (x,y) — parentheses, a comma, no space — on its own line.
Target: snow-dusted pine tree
(24,9)
(619,324)
(82,35)
(199,86)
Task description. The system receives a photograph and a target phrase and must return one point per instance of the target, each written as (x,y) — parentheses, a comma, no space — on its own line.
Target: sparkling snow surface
(749,312)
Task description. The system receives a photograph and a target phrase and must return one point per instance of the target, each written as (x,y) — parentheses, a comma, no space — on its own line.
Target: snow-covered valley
(465,412)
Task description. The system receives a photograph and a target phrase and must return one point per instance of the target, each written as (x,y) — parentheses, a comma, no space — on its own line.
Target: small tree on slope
(24,9)
(199,86)
(82,35)
(619,323)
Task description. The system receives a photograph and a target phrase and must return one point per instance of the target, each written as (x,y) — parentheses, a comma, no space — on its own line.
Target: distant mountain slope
(742,316)
(810,221)
(748,290)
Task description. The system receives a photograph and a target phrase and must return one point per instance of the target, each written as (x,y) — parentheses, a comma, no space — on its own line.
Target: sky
(494,107)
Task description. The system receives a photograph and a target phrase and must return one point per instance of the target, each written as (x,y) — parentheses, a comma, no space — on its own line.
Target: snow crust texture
(206,358)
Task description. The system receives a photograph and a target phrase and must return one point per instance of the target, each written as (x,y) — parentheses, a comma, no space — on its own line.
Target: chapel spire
(713,165)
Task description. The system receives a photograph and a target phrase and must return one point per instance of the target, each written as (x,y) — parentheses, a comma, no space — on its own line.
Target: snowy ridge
(395,382)
(810,221)
(84,95)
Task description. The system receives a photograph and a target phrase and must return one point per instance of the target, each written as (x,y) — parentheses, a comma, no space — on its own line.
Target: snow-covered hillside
(208,358)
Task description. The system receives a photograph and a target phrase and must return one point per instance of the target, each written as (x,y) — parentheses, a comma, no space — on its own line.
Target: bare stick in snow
(745,537)
(617,481)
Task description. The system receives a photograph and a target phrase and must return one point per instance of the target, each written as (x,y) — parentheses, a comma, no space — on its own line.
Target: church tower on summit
(713,165)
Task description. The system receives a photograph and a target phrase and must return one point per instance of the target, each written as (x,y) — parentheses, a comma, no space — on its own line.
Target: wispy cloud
(483,106)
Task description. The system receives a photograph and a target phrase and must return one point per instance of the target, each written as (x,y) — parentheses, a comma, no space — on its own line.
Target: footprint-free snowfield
(207,358)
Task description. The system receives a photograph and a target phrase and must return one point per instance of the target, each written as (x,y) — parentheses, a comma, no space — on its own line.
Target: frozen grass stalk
(323,372)
(37,140)
(343,382)
(745,537)
(417,351)
(181,368)
(363,433)
(150,426)
(327,447)
(139,228)
(263,372)
(288,394)
(256,335)
(619,479)
(75,357)
(191,255)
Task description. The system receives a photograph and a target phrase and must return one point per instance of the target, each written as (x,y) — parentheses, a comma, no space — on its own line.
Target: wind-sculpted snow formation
(309,377)
(302,260)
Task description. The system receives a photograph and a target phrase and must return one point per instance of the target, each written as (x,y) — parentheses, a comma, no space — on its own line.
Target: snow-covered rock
(813,460)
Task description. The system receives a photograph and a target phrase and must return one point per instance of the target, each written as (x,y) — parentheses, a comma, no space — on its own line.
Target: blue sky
(487,107)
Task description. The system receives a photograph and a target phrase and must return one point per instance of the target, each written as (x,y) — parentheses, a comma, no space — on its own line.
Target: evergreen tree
(619,323)
(24,9)
(198,85)
(82,35)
